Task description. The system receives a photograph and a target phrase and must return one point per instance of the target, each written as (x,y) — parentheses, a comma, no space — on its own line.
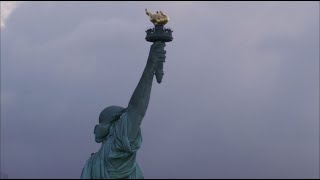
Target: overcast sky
(239,97)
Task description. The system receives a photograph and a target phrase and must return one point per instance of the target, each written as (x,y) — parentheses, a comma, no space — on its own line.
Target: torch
(159,33)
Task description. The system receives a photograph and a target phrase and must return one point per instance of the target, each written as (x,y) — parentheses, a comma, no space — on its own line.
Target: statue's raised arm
(139,101)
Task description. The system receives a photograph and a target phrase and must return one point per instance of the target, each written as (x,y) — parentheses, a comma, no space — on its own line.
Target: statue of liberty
(119,128)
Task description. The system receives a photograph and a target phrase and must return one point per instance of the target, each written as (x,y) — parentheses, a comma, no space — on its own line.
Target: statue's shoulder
(125,118)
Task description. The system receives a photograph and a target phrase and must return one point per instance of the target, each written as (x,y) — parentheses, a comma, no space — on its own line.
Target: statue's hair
(106,118)
(110,113)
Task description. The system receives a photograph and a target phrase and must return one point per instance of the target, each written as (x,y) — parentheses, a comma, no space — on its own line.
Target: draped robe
(116,158)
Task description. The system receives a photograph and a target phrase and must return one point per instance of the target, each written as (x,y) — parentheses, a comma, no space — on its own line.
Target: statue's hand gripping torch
(159,33)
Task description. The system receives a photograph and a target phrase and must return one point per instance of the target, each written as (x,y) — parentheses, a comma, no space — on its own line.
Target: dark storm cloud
(239,98)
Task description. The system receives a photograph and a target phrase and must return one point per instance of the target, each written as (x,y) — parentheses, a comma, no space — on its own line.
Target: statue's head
(110,114)
(106,118)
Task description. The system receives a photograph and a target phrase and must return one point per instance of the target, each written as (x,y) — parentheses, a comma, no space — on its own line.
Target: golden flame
(159,18)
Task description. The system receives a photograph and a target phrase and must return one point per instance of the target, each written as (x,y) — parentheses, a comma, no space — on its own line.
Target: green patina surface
(119,130)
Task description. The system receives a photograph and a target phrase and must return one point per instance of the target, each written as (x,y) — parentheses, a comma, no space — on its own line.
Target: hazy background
(239,98)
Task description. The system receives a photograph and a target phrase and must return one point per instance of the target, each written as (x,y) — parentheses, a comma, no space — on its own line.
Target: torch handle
(159,33)
(159,71)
